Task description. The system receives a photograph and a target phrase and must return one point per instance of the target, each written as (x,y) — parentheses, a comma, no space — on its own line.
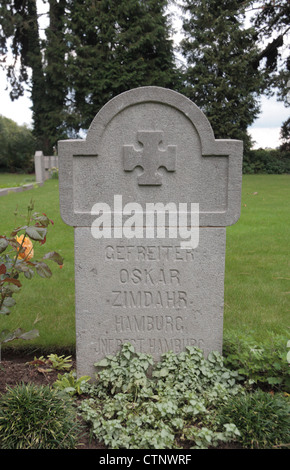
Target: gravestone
(39,166)
(149,193)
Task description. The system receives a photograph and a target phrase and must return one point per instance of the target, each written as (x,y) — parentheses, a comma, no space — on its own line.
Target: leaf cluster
(17,145)
(138,404)
(70,383)
(260,364)
(17,260)
(53,362)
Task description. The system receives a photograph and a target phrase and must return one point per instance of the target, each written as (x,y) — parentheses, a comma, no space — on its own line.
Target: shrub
(17,146)
(17,259)
(37,417)
(262,364)
(263,419)
(266,161)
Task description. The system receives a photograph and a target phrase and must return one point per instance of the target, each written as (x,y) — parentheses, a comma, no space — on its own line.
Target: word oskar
(149,192)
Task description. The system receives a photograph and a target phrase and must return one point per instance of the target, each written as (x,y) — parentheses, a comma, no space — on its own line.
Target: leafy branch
(17,258)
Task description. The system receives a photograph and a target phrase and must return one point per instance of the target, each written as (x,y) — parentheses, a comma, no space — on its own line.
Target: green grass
(257,281)
(45,304)
(10,180)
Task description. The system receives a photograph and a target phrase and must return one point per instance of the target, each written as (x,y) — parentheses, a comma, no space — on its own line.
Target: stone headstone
(39,166)
(150,192)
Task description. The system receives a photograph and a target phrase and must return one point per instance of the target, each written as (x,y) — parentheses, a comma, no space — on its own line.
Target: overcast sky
(265,130)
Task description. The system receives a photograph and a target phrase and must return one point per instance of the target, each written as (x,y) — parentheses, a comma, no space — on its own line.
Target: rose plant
(17,260)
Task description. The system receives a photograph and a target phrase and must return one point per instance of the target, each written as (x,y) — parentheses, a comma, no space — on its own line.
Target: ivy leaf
(164,372)
(102,363)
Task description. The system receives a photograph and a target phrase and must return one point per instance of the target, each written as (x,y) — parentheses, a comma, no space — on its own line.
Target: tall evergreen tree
(271,20)
(19,22)
(93,50)
(55,74)
(221,77)
(43,72)
(116,45)
(272,23)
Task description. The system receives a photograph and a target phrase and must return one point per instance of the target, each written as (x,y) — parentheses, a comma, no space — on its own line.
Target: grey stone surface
(149,292)
(39,166)
(149,145)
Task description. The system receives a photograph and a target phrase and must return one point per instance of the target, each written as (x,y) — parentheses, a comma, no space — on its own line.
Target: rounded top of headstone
(151,144)
(154,94)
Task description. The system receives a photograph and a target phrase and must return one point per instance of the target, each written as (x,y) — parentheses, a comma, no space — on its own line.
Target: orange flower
(27,246)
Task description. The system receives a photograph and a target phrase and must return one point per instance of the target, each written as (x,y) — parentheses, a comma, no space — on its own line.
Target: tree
(93,50)
(115,46)
(54,66)
(20,23)
(17,146)
(220,76)
(272,24)
(285,136)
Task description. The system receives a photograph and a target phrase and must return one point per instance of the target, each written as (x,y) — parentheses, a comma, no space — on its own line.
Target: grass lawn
(45,304)
(257,282)
(10,180)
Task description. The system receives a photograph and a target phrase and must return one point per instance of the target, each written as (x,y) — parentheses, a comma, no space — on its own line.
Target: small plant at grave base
(17,259)
(260,364)
(53,173)
(69,383)
(128,407)
(52,362)
(37,417)
(262,418)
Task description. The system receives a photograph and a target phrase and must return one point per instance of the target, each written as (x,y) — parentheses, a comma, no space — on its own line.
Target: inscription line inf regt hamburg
(157,220)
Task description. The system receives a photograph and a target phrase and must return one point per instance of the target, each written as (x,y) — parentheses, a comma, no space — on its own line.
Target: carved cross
(150,157)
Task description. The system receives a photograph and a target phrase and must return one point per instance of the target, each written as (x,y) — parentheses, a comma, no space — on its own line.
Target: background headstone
(146,146)
(39,166)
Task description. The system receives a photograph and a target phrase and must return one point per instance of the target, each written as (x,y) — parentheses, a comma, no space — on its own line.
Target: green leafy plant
(262,418)
(53,362)
(130,407)
(53,173)
(261,364)
(37,417)
(70,383)
(17,259)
